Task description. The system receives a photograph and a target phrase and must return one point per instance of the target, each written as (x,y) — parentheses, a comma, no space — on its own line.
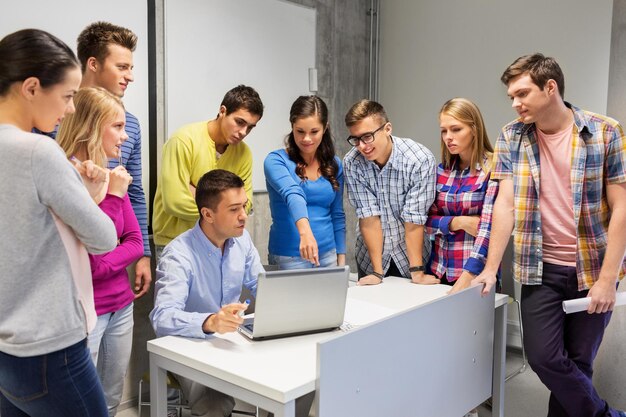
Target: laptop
(298,301)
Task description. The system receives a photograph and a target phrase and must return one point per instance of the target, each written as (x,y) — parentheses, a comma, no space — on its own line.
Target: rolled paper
(582,304)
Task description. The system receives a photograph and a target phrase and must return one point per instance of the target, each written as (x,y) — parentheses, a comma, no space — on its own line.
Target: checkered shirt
(460,192)
(598,158)
(400,192)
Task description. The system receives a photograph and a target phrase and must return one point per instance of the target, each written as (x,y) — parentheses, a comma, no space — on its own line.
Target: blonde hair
(468,113)
(82,130)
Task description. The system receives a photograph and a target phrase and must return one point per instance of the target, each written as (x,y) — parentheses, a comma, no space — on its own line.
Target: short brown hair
(243,97)
(95,39)
(539,67)
(211,186)
(365,108)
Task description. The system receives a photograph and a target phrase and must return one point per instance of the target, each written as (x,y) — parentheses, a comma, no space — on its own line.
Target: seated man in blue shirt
(199,279)
(200,276)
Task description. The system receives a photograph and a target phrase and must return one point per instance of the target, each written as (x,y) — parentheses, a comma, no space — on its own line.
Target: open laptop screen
(299,301)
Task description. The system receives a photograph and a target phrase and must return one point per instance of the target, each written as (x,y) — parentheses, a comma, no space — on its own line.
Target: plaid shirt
(598,157)
(460,193)
(400,192)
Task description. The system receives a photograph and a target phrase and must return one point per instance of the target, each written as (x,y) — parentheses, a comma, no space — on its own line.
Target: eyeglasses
(365,138)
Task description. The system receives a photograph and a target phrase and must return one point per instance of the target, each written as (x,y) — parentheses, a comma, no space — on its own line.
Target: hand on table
(369,280)
(425,279)
(486,278)
(464,281)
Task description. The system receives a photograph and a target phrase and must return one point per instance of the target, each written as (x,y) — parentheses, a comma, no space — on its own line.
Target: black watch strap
(420,268)
(379,276)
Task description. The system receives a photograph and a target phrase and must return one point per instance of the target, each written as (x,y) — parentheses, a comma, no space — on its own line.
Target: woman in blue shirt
(305,186)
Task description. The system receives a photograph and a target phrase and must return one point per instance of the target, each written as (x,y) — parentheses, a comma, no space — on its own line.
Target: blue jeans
(296,262)
(110,344)
(59,384)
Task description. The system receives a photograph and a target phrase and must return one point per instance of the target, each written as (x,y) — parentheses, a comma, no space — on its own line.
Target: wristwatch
(420,268)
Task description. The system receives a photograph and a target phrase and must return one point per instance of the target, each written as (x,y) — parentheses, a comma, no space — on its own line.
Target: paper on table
(582,304)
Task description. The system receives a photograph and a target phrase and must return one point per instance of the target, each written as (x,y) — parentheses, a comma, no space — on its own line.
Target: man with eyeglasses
(391,185)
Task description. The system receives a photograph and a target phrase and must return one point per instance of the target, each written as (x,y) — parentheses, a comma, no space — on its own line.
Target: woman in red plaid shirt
(460,218)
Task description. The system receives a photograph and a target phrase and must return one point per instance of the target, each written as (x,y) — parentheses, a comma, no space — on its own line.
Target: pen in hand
(242,312)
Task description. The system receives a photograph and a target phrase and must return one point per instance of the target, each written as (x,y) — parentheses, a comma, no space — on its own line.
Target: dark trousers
(561,348)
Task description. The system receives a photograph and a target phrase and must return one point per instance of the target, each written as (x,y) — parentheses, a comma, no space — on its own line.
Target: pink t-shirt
(555,197)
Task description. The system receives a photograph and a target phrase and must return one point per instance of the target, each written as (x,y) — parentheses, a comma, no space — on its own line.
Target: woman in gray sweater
(48,223)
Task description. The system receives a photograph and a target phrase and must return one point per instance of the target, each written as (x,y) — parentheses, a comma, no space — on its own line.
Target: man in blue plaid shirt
(391,185)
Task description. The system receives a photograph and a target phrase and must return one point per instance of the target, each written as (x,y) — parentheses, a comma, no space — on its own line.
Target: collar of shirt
(393,158)
(207,245)
(477,167)
(581,121)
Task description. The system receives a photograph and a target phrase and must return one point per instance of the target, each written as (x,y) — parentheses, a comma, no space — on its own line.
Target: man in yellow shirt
(197,148)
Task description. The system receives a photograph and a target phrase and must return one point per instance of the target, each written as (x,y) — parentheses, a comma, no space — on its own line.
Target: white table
(272,374)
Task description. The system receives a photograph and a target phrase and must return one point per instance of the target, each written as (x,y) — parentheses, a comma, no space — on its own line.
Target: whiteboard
(213,45)
(68,18)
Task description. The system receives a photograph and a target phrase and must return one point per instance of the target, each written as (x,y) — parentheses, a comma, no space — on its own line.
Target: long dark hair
(307,106)
(34,53)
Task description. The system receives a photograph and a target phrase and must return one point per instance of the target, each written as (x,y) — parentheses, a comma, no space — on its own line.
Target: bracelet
(379,276)
(420,268)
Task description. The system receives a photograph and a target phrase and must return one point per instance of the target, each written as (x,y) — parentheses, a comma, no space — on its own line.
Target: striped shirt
(598,158)
(399,192)
(131,159)
(460,193)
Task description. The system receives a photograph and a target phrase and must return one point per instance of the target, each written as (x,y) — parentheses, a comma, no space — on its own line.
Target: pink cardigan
(111,286)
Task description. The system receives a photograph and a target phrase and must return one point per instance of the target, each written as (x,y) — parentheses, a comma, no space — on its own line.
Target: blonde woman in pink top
(96,132)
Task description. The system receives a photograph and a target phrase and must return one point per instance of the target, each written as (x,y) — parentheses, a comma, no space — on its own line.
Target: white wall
(213,45)
(432,51)
(67,18)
